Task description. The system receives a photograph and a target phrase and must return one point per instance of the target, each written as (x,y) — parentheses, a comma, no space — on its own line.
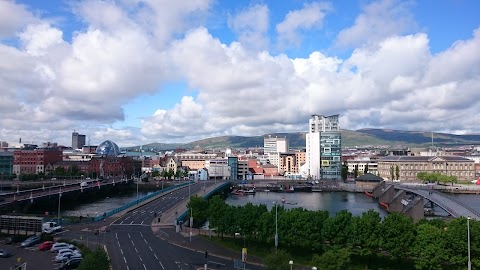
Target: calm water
(333,202)
(101,206)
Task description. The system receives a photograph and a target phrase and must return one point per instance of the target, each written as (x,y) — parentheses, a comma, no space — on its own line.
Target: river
(333,202)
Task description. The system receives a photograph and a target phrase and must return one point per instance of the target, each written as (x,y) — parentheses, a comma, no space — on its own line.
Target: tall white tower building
(272,146)
(323,145)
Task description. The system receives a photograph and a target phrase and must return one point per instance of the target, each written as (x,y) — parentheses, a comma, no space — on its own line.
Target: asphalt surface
(137,240)
(35,259)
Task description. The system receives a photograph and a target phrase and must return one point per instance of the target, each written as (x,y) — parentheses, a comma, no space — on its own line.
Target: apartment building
(291,162)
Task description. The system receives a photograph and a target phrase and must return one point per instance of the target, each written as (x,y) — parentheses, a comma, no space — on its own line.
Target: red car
(47,245)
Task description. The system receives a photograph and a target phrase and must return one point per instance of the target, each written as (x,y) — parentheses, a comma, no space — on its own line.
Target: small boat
(368,194)
(249,192)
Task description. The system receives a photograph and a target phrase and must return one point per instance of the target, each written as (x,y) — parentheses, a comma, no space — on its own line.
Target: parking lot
(35,259)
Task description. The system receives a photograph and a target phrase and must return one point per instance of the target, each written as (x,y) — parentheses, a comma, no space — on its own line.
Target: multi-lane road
(132,245)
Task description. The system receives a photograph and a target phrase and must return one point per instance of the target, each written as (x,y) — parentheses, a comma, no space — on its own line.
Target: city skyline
(144,71)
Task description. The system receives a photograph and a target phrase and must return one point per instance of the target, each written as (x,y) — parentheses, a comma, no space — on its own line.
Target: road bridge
(452,206)
(39,193)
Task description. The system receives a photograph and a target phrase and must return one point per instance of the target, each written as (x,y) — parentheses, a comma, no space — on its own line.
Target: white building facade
(323,148)
(272,146)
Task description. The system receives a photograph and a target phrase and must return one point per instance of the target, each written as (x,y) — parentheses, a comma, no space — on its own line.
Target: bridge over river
(452,206)
(38,193)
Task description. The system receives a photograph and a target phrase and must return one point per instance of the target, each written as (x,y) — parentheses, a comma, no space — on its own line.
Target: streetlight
(59,196)
(291,264)
(468,233)
(276,226)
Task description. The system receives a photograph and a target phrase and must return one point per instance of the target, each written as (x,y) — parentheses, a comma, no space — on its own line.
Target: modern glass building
(108,148)
(323,145)
(233,164)
(6,163)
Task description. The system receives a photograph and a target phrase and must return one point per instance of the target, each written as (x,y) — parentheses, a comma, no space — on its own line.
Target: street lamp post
(276,226)
(468,235)
(59,196)
(291,264)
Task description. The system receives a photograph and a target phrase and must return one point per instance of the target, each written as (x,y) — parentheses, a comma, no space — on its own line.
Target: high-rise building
(323,145)
(272,146)
(78,140)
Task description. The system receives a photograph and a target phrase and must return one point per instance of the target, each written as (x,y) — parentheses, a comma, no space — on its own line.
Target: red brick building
(35,161)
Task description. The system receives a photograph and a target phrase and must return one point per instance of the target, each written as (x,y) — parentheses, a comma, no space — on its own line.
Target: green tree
(277,260)
(365,169)
(397,234)
(218,214)
(397,172)
(423,176)
(355,171)
(365,231)
(333,259)
(96,260)
(198,208)
(336,230)
(429,247)
(170,173)
(344,170)
(392,173)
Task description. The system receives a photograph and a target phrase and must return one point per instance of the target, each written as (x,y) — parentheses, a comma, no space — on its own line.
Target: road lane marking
(141,234)
(121,251)
(150,248)
(137,252)
(145,241)
(129,235)
(131,222)
(161,264)
(132,243)
(118,242)
(128,268)
(144,267)
(116,236)
(155,256)
(124,259)
(142,222)
(140,258)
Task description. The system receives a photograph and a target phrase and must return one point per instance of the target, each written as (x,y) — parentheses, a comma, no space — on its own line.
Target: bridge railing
(135,202)
(458,202)
(208,195)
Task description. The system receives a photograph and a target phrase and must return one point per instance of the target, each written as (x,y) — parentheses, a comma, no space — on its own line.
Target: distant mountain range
(350,138)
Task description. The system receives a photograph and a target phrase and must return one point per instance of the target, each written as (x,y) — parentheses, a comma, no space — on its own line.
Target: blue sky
(145,71)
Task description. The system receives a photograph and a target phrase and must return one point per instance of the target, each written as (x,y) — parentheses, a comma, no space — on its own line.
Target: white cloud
(52,86)
(379,20)
(311,16)
(251,26)
(13,17)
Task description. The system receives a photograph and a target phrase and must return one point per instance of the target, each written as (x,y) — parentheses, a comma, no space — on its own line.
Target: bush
(95,260)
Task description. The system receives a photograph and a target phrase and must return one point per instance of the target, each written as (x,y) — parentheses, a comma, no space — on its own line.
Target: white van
(84,184)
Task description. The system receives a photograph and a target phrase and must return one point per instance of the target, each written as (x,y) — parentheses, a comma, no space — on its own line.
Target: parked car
(70,264)
(69,256)
(57,246)
(64,255)
(47,245)
(5,253)
(32,240)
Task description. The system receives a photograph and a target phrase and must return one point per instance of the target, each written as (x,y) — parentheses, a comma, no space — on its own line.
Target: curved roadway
(132,245)
(450,205)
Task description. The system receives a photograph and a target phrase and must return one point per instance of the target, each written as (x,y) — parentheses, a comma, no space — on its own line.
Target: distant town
(322,157)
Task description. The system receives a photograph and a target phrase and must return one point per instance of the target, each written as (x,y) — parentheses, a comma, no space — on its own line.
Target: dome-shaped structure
(108,148)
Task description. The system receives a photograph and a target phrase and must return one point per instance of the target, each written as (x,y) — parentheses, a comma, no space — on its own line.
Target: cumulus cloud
(378,20)
(53,86)
(311,16)
(13,16)
(251,26)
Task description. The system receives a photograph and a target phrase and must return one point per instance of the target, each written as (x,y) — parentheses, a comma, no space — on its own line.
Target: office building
(323,144)
(6,163)
(272,146)
(78,140)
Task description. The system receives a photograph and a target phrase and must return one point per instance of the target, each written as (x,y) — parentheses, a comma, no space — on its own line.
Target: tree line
(393,242)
